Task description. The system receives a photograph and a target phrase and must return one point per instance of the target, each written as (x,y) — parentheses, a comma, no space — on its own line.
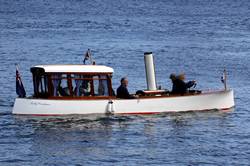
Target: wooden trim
(81,98)
(92,90)
(69,82)
(114,98)
(175,95)
(50,85)
(155,92)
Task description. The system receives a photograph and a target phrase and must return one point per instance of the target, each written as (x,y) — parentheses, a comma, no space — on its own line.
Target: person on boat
(122,91)
(179,85)
(63,91)
(86,88)
(173,78)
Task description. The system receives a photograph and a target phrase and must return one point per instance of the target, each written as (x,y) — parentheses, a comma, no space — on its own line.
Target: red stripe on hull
(140,113)
(145,113)
(129,113)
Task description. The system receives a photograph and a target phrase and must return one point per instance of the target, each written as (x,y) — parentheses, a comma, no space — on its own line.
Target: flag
(87,56)
(20,91)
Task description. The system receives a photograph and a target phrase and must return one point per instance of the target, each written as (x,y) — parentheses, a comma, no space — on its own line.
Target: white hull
(199,102)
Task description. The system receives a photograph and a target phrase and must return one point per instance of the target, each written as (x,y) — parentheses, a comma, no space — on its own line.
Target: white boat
(87,89)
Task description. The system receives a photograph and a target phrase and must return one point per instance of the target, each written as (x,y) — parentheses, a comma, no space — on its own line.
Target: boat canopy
(73,69)
(72,81)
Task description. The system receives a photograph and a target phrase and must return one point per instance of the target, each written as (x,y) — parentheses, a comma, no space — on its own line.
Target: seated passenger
(85,89)
(179,86)
(63,91)
(122,91)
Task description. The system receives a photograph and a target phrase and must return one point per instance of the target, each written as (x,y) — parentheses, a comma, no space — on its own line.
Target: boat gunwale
(70,98)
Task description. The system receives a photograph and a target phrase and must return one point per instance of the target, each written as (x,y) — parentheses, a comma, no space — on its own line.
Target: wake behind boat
(87,89)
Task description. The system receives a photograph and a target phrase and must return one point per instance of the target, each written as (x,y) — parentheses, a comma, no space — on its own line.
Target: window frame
(69,77)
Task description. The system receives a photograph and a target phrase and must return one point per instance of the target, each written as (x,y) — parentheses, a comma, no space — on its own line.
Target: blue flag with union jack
(20,91)
(88,56)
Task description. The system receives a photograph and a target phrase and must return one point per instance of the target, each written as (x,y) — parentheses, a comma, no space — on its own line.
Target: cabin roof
(75,68)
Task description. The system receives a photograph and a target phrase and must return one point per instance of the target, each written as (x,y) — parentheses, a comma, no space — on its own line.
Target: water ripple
(200,38)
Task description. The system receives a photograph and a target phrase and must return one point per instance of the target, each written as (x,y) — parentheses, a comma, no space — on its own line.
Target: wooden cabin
(72,81)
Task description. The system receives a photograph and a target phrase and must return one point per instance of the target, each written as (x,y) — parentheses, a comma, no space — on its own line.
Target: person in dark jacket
(179,86)
(173,78)
(122,91)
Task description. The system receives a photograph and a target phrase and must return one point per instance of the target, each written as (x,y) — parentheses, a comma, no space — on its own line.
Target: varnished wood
(115,98)
(81,97)
(69,81)
(50,76)
(50,85)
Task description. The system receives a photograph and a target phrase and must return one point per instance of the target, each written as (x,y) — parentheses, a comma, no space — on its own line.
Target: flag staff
(224,79)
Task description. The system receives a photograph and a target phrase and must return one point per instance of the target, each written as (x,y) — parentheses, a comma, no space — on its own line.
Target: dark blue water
(198,37)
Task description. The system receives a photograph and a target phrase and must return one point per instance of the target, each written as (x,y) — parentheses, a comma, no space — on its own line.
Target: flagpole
(225,79)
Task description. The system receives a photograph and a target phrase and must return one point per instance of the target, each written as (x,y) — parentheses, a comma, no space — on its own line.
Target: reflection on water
(101,120)
(117,139)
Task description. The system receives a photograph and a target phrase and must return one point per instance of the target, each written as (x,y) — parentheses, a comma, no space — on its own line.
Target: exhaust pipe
(150,71)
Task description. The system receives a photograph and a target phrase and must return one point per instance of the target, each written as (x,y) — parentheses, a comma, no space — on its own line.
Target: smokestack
(150,71)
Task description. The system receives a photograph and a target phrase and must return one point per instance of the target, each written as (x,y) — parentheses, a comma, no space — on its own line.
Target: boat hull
(198,102)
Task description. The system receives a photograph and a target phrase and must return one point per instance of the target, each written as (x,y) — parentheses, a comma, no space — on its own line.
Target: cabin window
(90,85)
(81,85)
(101,85)
(41,85)
(61,84)
(56,80)
(78,85)
(63,88)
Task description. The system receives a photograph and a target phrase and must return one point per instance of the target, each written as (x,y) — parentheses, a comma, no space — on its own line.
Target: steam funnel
(150,71)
